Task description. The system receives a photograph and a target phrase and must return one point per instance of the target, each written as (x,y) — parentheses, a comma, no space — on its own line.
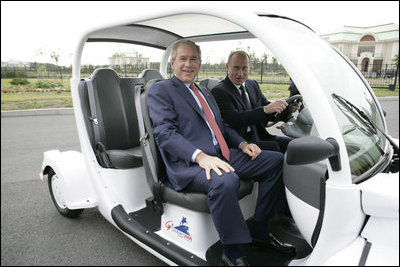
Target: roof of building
(385,32)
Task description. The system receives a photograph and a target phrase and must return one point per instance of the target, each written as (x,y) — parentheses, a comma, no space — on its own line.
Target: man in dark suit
(203,154)
(245,108)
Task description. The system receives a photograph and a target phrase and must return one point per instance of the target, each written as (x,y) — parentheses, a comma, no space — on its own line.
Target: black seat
(209,83)
(119,145)
(150,74)
(162,193)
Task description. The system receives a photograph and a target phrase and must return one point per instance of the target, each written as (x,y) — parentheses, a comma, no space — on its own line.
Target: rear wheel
(58,198)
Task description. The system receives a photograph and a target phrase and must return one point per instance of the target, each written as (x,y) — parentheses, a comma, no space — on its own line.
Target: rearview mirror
(311,149)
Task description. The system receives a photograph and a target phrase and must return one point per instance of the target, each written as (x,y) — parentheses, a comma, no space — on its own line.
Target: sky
(32,30)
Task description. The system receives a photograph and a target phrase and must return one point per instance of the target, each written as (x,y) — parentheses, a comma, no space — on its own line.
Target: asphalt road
(33,232)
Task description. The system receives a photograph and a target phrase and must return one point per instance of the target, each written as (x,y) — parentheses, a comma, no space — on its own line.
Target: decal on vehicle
(182,230)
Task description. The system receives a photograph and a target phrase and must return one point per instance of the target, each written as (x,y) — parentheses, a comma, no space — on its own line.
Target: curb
(387,98)
(37,112)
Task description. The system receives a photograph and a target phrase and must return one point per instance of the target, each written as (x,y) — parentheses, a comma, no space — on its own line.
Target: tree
(56,57)
(264,57)
(253,59)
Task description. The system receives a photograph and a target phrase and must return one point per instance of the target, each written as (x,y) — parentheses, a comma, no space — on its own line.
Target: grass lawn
(16,101)
(55,93)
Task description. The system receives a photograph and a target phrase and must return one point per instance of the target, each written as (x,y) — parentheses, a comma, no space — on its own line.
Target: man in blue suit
(203,154)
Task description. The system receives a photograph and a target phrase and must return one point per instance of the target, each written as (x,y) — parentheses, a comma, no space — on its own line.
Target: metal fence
(386,76)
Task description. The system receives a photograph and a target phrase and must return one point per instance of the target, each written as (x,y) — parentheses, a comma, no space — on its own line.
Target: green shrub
(20,74)
(48,84)
(8,74)
(13,74)
(19,81)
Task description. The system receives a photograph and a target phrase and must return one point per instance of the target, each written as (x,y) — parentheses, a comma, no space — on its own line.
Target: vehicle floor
(255,256)
(283,228)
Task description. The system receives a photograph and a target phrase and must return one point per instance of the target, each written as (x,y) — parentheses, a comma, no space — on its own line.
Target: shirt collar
(186,84)
(237,86)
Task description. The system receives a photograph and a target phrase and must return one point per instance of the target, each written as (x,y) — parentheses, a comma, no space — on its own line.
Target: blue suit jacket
(179,128)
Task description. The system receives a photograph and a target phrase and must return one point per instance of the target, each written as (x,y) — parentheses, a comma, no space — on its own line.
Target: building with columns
(131,59)
(372,49)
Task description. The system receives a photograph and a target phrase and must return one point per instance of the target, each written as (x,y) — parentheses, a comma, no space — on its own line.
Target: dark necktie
(248,108)
(213,123)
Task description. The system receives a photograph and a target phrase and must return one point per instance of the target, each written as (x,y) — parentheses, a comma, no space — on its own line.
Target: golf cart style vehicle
(340,172)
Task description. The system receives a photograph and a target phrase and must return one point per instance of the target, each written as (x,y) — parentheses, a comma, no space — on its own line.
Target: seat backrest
(150,74)
(158,161)
(209,83)
(115,106)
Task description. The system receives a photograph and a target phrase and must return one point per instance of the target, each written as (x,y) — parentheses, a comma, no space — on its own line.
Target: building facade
(130,60)
(372,49)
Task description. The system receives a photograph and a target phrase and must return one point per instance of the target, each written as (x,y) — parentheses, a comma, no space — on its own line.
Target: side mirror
(311,149)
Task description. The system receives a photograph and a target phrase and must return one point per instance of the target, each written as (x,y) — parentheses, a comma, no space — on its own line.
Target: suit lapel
(207,97)
(234,92)
(250,92)
(183,91)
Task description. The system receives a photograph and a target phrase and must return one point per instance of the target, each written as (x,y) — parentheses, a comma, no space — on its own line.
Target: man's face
(186,64)
(238,68)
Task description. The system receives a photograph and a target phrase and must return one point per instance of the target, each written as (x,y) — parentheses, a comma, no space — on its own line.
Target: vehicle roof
(162,32)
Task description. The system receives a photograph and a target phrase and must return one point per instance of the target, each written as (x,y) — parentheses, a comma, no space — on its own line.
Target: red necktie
(213,124)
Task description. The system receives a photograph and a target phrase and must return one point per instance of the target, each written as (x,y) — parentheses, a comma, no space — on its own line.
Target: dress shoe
(225,261)
(275,244)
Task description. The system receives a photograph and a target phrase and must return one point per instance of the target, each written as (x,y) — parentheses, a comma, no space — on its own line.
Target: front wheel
(57,196)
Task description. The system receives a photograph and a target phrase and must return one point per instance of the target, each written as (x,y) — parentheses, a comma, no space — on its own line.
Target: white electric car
(340,173)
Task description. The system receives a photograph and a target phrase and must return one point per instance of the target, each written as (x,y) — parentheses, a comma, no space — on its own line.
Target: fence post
(393,86)
(262,70)
(384,76)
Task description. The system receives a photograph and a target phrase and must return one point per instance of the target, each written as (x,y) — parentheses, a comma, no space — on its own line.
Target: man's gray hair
(184,42)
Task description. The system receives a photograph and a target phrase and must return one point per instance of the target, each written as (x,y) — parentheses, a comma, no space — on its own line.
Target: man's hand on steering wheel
(275,107)
(283,109)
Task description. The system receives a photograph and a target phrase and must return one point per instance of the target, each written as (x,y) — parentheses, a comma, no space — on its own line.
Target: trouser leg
(267,169)
(282,141)
(223,193)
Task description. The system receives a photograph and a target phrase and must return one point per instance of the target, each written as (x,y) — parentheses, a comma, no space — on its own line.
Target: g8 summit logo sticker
(182,230)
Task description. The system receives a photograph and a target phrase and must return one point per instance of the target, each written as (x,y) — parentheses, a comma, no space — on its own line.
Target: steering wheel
(292,101)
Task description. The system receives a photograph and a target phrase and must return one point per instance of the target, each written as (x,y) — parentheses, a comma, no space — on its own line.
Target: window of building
(367,38)
(367,46)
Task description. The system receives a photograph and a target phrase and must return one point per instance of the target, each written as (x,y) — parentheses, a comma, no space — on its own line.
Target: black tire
(60,207)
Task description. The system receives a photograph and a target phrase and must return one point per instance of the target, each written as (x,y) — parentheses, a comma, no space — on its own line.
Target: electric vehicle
(340,172)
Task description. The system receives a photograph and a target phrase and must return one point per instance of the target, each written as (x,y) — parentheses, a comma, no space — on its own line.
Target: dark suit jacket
(233,109)
(179,129)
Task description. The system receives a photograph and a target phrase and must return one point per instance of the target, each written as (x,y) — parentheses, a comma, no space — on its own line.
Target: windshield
(357,131)
(365,145)
(313,58)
